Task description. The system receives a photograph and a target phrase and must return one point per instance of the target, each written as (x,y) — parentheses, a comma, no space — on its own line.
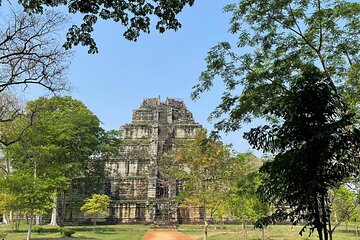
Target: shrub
(38,229)
(66,232)
(3,235)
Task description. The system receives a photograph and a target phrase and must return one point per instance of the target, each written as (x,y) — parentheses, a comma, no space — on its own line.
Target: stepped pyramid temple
(138,192)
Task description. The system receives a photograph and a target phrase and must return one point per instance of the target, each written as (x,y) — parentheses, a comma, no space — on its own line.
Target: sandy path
(165,235)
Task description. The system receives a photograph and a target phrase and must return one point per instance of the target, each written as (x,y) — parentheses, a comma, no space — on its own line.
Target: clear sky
(115,81)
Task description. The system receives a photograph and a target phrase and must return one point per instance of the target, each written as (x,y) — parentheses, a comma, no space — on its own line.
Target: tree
(316,149)
(96,206)
(94,176)
(278,40)
(96,169)
(355,187)
(202,161)
(244,202)
(28,194)
(11,130)
(29,56)
(59,143)
(65,132)
(134,15)
(344,206)
(5,202)
(208,173)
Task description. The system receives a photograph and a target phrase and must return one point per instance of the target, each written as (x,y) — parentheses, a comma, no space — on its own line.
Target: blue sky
(115,81)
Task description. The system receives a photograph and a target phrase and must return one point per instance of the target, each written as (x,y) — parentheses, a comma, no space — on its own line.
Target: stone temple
(138,192)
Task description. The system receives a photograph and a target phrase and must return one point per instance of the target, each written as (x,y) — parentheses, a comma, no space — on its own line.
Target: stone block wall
(136,194)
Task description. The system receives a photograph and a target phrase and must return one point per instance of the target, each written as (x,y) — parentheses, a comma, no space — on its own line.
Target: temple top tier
(170,111)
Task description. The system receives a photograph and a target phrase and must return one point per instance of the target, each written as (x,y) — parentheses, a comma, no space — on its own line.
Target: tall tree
(209,174)
(279,39)
(65,132)
(202,161)
(28,194)
(244,202)
(94,177)
(316,149)
(275,39)
(30,55)
(60,142)
(134,15)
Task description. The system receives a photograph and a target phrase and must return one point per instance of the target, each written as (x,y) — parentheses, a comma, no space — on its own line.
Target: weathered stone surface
(137,191)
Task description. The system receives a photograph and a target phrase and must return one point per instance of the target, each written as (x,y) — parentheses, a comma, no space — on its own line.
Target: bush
(3,235)
(66,232)
(38,229)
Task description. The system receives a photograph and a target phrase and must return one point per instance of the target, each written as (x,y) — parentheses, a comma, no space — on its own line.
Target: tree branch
(320,27)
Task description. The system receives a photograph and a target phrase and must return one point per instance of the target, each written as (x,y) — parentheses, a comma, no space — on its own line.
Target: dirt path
(165,235)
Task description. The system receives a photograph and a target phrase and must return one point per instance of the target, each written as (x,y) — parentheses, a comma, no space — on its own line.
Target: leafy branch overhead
(135,15)
(275,39)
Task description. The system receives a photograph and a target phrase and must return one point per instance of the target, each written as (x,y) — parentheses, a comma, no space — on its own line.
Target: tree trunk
(317,221)
(53,221)
(330,230)
(206,230)
(94,224)
(63,209)
(324,217)
(262,233)
(5,220)
(206,224)
(30,224)
(37,220)
(16,222)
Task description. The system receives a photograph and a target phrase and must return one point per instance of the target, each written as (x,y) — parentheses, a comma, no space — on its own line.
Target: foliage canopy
(277,38)
(96,206)
(211,177)
(299,70)
(316,149)
(135,15)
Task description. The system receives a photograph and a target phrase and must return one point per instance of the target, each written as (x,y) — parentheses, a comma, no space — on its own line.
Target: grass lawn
(275,232)
(111,232)
(136,232)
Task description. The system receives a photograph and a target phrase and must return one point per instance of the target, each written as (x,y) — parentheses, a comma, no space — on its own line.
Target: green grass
(136,232)
(110,232)
(276,232)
